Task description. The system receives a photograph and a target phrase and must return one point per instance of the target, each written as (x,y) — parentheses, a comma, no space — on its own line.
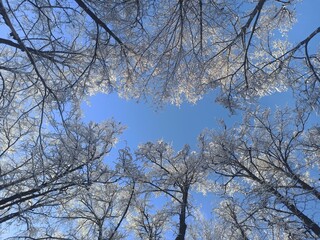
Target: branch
(125,212)
(99,22)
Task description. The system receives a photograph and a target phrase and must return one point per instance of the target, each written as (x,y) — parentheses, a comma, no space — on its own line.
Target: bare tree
(184,49)
(98,211)
(203,227)
(56,53)
(37,179)
(172,175)
(147,220)
(269,168)
(175,50)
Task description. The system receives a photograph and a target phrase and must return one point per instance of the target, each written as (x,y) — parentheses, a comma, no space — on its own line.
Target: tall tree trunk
(183,215)
(309,223)
(100,230)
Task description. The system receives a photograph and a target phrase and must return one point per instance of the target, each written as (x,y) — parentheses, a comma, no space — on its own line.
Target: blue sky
(177,125)
(181,125)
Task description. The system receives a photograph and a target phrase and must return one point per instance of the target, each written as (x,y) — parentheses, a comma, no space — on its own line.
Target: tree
(203,228)
(147,221)
(37,178)
(269,172)
(54,54)
(172,175)
(175,50)
(98,211)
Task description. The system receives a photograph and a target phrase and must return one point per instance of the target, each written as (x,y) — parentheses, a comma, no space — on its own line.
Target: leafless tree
(148,221)
(36,179)
(269,169)
(175,50)
(54,54)
(171,175)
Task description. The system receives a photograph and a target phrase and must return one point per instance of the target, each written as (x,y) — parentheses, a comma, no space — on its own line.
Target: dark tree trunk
(309,223)
(100,231)
(183,216)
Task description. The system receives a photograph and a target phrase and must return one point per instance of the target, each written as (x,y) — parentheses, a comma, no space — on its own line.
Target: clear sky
(181,125)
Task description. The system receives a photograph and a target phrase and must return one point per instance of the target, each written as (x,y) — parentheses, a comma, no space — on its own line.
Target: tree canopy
(56,179)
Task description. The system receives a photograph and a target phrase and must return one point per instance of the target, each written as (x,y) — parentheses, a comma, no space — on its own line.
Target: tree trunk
(309,223)
(182,216)
(100,230)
